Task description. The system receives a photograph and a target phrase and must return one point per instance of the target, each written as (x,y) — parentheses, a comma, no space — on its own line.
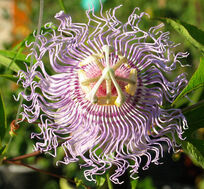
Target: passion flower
(104,100)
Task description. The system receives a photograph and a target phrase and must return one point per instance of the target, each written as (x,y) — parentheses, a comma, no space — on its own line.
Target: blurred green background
(19,18)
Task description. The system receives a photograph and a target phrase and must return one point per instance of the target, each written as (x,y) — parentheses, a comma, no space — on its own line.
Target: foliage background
(178,170)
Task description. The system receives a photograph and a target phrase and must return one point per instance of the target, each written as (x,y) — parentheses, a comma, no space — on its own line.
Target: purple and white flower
(104,100)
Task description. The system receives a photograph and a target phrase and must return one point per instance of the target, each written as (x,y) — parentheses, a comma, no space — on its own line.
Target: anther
(131,87)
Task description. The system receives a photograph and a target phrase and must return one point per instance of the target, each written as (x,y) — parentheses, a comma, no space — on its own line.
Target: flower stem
(110,185)
(61,2)
(25,156)
(189,108)
(36,169)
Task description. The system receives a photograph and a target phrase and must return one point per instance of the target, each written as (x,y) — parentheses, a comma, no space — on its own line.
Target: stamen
(96,59)
(125,80)
(123,60)
(91,80)
(82,78)
(131,88)
(93,58)
(86,61)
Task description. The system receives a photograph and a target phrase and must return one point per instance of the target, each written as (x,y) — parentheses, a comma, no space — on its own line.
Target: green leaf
(64,184)
(79,183)
(194,116)
(2,149)
(100,180)
(199,144)
(14,79)
(196,81)
(14,55)
(7,61)
(195,32)
(201,184)
(14,59)
(17,58)
(30,38)
(147,183)
(191,33)
(192,146)
(9,77)
(3,123)
(194,151)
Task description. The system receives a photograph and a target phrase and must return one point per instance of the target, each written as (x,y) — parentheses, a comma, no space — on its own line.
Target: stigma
(107,78)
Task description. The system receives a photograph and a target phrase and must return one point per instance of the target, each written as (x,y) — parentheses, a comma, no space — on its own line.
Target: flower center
(104,81)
